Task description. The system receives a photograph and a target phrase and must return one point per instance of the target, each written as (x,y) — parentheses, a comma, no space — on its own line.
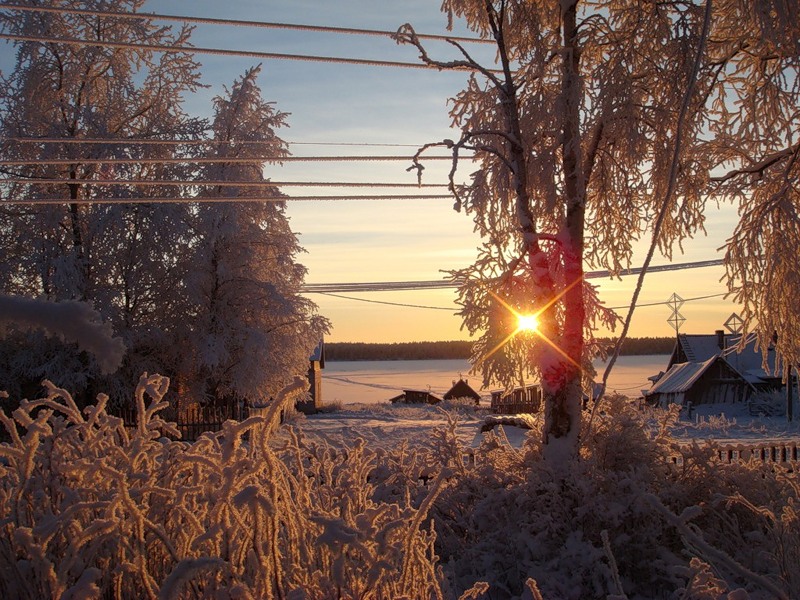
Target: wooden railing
(775,451)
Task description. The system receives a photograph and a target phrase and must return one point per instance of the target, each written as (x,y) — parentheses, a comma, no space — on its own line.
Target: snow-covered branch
(406,35)
(757,169)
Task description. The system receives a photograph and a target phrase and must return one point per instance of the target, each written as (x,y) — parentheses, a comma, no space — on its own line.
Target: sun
(527,323)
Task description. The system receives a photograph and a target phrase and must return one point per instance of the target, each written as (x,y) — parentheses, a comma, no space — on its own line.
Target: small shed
(316,364)
(461,389)
(712,381)
(525,399)
(415,397)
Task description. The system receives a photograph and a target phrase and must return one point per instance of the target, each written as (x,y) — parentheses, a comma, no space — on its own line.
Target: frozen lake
(378,381)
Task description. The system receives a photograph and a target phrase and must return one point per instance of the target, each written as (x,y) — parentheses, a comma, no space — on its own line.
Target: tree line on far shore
(461,349)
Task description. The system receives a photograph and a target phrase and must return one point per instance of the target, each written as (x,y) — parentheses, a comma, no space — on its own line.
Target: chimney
(720,339)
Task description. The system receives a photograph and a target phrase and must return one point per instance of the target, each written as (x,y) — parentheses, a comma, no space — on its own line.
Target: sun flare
(527,323)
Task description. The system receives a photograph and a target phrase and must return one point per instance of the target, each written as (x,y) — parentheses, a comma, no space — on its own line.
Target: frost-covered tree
(608,121)
(124,260)
(251,331)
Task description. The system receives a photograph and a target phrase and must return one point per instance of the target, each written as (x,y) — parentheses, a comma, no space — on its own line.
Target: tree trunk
(77,237)
(561,378)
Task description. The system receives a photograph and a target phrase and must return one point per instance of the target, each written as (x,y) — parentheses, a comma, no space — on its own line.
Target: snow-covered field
(387,425)
(362,388)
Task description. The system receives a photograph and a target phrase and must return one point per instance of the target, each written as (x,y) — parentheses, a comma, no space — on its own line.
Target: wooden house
(315,366)
(713,381)
(415,397)
(461,389)
(747,361)
(526,399)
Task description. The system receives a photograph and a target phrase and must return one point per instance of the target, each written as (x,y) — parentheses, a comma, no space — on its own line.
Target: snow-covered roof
(416,396)
(318,355)
(701,347)
(680,377)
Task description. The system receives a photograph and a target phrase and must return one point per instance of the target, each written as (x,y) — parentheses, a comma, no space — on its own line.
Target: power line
(220,183)
(453,309)
(197,142)
(206,160)
(219,199)
(173,49)
(140,141)
(238,23)
(386,286)
(364,144)
(401,304)
(667,302)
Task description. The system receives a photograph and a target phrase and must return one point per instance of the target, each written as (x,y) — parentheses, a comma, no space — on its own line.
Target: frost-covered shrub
(331,406)
(617,522)
(91,508)
(768,403)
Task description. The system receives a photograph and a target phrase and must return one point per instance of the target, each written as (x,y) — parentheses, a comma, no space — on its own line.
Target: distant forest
(460,349)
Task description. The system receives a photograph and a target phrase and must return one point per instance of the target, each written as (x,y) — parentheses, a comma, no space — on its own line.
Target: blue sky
(349,241)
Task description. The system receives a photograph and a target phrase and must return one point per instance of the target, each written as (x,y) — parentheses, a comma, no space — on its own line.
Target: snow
(388,425)
(731,423)
(71,320)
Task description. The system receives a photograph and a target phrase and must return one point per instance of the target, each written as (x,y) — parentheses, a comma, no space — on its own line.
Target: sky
(399,240)
(370,110)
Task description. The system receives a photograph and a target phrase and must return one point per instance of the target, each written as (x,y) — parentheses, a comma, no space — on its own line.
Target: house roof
(428,397)
(748,362)
(461,389)
(318,355)
(680,377)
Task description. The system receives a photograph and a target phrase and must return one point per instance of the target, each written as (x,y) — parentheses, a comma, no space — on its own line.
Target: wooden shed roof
(461,389)
(680,377)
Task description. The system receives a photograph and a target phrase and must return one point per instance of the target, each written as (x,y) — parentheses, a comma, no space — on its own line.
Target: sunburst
(529,322)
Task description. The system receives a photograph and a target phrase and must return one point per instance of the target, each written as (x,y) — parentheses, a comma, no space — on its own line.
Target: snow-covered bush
(624,521)
(768,403)
(91,508)
(331,406)
(458,405)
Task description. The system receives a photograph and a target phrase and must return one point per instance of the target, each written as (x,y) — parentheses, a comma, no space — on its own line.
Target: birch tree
(608,121)
(124,260)
(251,332)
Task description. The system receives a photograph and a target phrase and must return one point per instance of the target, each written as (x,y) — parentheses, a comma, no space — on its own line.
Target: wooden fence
(192,421)
(526,399)
(773,452)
